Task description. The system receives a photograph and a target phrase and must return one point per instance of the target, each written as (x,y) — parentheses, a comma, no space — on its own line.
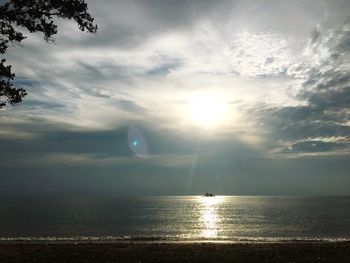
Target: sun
(207,110)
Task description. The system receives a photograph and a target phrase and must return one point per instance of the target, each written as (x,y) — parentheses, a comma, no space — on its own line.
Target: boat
(209,194)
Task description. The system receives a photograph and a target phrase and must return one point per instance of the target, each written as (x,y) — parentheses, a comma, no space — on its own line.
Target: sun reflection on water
(209,216)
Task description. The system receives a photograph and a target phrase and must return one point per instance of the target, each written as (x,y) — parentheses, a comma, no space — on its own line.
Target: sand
(175,252)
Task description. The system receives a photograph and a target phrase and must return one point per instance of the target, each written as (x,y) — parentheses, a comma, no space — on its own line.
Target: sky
(183,97)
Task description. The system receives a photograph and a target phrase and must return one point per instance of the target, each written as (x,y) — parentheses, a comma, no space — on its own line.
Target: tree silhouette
(36,16)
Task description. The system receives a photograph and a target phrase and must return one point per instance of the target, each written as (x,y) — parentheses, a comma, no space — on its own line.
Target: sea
(176,218)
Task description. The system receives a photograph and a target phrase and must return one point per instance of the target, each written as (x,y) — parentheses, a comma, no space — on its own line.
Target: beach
(175,252)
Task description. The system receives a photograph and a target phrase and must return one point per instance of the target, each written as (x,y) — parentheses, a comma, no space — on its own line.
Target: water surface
(177,218)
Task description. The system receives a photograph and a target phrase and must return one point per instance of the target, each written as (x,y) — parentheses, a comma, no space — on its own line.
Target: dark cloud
(57,160)
(314,146)
(303,122)
(163,69)
(128,24)
(130,106)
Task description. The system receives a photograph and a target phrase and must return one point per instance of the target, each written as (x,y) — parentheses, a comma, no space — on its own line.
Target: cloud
(281,68)
(139,70)
(326,92)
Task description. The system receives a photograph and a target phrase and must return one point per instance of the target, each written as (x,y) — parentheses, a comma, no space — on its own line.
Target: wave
(107,239)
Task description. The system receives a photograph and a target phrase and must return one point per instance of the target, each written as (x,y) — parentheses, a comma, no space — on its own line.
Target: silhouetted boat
(209,195)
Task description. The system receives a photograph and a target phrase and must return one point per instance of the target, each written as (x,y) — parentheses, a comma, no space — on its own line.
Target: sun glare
(207,110)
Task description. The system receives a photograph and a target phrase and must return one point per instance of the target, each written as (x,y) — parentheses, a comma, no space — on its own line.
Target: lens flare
(137,142)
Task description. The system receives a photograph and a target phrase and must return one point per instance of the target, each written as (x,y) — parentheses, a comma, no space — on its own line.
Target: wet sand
(176,252)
